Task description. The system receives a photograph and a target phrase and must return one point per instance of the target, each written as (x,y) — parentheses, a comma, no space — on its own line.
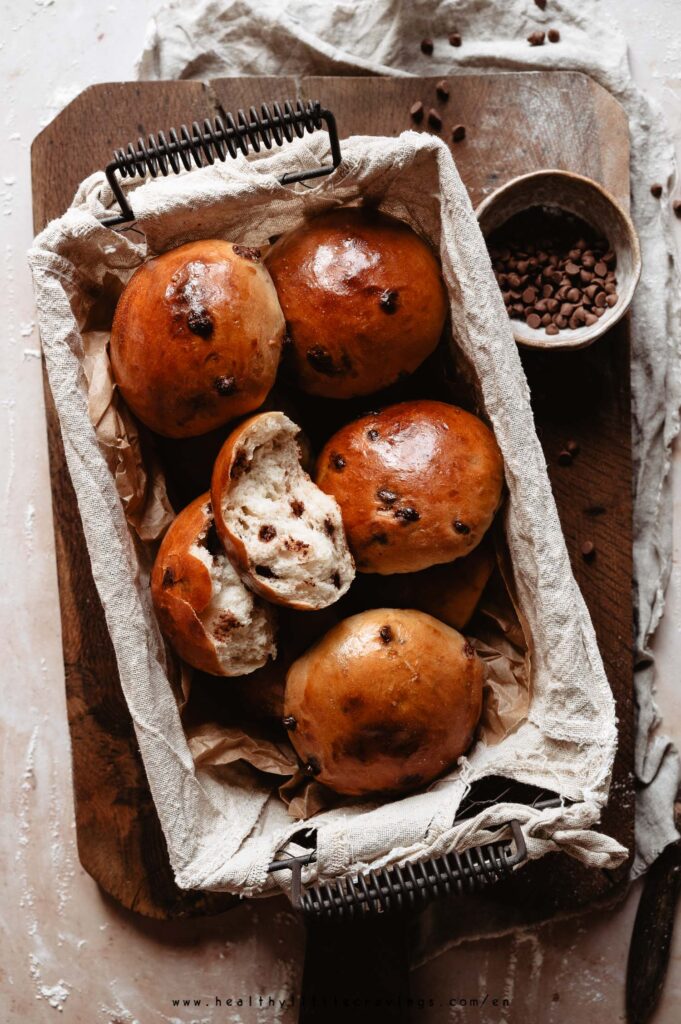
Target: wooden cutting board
(515,123)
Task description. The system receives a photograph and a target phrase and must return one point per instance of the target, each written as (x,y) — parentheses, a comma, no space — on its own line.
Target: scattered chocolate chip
(338,462)
(225,385)
(468,649)
(336,580)
(588,550)
(565,458)
(297,508)
(321,360)
(289,723)
(656,190)
(434,119)
(386,497)
(455,39)
(458,133)
(460,527)
(541,4)
(416,111)
(267,533)
(407,514)
(379,538)
(676,207)
(248,252)
(386,634)
(168,578)
(388,300)
(264,570)
(373,434)
(329,528)
(554,35)
(240,465)
(442,89)
(427,47)
(536,39)
(199,322)
(312,766)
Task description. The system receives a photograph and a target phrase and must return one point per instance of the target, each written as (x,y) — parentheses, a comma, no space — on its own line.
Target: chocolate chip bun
(283,533)
(384,703)
(418,484)
(196,337)
(363,298)
(210,618)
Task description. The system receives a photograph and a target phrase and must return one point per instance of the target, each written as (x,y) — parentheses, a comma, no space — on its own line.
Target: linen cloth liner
(222,833)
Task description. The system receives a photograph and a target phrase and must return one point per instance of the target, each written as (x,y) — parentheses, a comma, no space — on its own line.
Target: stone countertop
(67,948)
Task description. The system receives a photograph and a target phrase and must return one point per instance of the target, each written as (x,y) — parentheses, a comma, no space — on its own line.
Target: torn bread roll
(385,702)
(204,610)
(418,484)
(282,532)
(196,337)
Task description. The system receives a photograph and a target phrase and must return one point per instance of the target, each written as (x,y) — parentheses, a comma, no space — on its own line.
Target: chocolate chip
(248,252)
(199,322)
(455,39)
(552,329)
(533,320)
(565,458)
(468,649)
(656,190)
(676,208)
(289,723)
(379,538)
(312,766)
(338,462)
(427,47)
(225,385)
(458,133)
(536,39)
(297,508)
(407,514)
(168,578)
(264,570)
(267,533)
(388,300)
(416,111)
(434,119)
(373,434)
(541,4)
(240,465)
(442,89)
(386,496)
(336,580)
(386,634)
(460,527)
(554,35)
(588,550)
(321,360)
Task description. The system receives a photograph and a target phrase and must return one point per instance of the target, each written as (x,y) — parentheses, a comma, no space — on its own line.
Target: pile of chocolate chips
(554,271)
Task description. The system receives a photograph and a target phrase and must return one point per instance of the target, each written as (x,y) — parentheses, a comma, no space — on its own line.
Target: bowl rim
(587,336)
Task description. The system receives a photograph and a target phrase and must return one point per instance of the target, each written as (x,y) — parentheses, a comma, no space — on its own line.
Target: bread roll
(282,532)
(384,703)
(418,484)
(363,298)
(211,619)
(196,337)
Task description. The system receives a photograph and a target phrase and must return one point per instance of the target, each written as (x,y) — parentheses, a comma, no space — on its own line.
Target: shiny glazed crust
(196,337)
(418,484)
(384,703)
(363,299)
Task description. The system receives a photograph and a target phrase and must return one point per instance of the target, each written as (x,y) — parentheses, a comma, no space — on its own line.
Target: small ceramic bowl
(588,200)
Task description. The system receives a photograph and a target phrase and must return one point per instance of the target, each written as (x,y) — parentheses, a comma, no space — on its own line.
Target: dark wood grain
(515,123)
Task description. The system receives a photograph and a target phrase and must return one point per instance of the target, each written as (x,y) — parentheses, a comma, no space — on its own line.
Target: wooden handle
(356,970)
(652,935)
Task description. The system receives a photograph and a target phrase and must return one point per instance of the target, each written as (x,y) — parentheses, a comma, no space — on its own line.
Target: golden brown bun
(418,484)
(384,703)
(196,337)
(363,298)
(449,592)
(216,625)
